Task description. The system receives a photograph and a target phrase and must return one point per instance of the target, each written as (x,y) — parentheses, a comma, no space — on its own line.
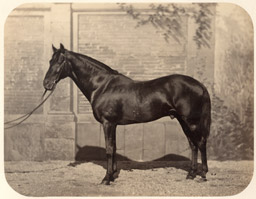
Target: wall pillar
(60,123)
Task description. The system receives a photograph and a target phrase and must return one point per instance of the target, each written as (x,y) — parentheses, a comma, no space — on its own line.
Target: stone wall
(30,30)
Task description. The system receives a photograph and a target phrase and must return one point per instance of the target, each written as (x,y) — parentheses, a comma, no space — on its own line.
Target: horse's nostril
(46,82)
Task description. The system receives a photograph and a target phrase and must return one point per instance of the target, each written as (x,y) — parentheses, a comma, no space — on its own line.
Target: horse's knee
(202,144)
(192,127)
(193,146)
(110,150)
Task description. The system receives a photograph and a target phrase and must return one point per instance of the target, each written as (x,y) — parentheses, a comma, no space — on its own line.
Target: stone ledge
(59,149)
(64,130)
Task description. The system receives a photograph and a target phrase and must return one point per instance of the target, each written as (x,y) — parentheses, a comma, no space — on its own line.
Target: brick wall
(23,74)
(140,53)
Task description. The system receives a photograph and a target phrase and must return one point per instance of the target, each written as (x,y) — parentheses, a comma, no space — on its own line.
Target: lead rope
(26,116)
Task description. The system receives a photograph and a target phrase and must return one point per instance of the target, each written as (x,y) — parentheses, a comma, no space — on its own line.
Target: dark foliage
(168,19)
(231,136)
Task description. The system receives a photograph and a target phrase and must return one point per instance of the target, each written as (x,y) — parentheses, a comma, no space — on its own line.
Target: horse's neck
(85,76)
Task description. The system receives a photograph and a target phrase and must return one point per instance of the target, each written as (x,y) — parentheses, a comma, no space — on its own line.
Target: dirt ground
(62,178)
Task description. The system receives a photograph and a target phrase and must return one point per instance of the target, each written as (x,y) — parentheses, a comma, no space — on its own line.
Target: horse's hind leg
(193,171)
(202,148)
(115,172)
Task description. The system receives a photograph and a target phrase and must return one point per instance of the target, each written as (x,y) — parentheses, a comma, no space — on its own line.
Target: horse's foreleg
(109,132)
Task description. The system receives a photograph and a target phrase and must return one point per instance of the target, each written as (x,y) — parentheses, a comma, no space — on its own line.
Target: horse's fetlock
(205,169)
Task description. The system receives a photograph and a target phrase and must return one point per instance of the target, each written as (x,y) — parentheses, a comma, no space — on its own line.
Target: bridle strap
(72,71)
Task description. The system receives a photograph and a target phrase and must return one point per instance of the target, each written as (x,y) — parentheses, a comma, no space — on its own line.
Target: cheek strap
(70,66)
(72,71)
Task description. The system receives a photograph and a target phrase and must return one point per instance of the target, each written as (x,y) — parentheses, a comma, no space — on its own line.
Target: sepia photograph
(128,99)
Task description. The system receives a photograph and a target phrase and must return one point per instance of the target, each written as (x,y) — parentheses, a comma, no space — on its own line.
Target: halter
(61,69)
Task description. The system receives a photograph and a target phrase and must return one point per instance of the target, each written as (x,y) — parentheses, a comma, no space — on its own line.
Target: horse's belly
(132,106)
(139,119)
(145,111)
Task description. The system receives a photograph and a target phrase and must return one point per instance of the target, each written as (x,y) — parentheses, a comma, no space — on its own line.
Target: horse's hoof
(191,176)
(105,182)
(202,179)
(112,179)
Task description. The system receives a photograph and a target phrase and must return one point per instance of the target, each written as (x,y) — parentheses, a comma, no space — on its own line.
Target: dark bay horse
(119,100)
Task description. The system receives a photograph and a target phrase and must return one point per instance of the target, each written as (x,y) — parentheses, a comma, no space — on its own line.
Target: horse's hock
(64,128)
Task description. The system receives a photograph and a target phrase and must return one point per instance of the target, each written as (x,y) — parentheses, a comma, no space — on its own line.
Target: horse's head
(57,70)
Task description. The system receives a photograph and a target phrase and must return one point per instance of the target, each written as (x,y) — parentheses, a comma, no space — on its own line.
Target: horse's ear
(62,48)
(54,49)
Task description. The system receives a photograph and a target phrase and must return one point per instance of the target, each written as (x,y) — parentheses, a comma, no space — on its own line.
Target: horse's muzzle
(49,85)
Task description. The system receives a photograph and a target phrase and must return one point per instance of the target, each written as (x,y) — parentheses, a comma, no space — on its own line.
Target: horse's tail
(205,120)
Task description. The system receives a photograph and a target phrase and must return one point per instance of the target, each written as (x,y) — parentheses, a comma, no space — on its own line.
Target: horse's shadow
(97,155)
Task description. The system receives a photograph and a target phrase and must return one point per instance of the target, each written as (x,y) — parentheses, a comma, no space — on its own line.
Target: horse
(118,100)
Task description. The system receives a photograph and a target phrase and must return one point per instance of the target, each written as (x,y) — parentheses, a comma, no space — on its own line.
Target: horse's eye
(60,60)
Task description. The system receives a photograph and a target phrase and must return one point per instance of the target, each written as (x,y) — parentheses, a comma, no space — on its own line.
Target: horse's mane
(93,62)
